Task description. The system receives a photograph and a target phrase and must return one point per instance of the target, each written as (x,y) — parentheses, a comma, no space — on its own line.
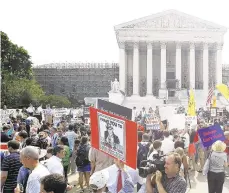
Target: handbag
(207,165)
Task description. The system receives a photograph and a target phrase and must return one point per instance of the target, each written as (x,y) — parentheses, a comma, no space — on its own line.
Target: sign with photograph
(213,112)
(114,109)
(152,122)
(211,134)
(114,136)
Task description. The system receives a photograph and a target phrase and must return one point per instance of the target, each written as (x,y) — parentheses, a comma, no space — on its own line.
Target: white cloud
(71,30)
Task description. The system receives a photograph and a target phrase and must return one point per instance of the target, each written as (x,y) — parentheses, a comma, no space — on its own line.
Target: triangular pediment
(170,19)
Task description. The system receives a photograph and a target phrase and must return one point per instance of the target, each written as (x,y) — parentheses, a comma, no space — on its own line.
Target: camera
(151,166)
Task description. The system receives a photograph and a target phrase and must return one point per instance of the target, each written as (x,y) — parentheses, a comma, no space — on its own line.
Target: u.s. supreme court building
(170,49)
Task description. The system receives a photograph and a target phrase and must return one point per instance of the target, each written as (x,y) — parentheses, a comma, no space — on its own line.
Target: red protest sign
(114,136)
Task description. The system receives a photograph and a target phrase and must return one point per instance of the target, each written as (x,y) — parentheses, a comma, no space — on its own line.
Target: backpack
(82,156)
(42,143)
(143,151)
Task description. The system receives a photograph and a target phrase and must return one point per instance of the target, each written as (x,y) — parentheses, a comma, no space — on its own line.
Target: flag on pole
(191,104)
(224,90)
(210,95)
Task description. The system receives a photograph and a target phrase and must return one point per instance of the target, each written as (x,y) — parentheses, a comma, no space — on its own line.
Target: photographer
(171,182)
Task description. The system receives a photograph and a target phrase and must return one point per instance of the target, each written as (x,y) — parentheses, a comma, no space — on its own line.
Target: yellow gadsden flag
(214,101)
(224,90)
(191,104)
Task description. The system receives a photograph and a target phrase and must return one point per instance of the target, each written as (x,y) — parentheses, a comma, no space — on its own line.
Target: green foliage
(54,100)
(20,91)
(15,59)
(19,88)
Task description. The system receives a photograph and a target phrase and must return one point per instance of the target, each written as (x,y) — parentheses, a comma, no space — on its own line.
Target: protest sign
(3,147)
(191,120)
(60,112)
(86,112)
(213,112)
(152,122)
(5,115)
(114,136)
(115,109)
(177,121)
(211,134)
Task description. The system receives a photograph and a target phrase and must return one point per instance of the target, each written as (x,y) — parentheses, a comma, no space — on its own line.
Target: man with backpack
(143,151)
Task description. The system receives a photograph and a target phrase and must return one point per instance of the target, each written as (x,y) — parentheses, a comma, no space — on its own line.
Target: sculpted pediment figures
(171,21)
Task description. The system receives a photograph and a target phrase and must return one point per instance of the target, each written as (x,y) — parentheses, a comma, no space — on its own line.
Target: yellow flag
(214,101)
(191,104)
(224,90)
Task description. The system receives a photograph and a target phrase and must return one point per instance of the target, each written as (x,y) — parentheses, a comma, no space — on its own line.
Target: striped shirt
(173,185)
(11,164)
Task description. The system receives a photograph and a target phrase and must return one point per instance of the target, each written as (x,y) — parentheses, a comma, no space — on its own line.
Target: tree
(15,59)
(19,88)
(54,100)
(20,91)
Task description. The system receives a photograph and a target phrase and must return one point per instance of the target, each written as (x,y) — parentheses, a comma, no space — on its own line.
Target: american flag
(210,95)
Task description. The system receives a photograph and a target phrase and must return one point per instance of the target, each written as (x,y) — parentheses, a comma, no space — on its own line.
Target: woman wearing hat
(217,164)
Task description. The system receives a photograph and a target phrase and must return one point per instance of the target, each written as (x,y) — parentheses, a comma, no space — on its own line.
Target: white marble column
(149,68)
(136,69)
(219,66)
(122,66)
(163,65)
(178,62)
(192,65)
(205,67)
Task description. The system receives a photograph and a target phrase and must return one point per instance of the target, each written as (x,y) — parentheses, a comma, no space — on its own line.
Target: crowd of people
(41,156)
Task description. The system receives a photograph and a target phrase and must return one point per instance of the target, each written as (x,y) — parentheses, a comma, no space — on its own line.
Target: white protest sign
(177,121)
(191,120)
(5,115)
(152,122)
(60,112)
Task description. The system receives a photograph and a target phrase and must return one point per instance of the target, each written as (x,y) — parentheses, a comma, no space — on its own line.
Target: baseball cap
(99,180)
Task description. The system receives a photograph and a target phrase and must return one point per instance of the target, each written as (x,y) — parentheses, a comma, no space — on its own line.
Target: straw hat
(219,146)
(226,133)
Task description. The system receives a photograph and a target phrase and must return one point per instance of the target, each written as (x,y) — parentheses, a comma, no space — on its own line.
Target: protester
(82,162)
(67,154)
(72,136)
(54,183)
(30,159)
(99,160)
(216,168)
(4,136)
(167,144)
(54,163)
(143,149)
(121,178)
(10,168)
(98,181)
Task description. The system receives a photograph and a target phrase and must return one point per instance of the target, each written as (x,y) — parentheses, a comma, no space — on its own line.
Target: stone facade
(78,80)
(170,50)
(60,81)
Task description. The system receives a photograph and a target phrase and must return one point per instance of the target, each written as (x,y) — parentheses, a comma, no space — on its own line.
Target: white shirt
(187,140)
(54,165)
(167,146)
(112,181)
(33,183)
(134,114)
(150,157)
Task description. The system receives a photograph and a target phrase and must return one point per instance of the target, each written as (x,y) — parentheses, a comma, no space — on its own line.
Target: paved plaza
(198,183)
